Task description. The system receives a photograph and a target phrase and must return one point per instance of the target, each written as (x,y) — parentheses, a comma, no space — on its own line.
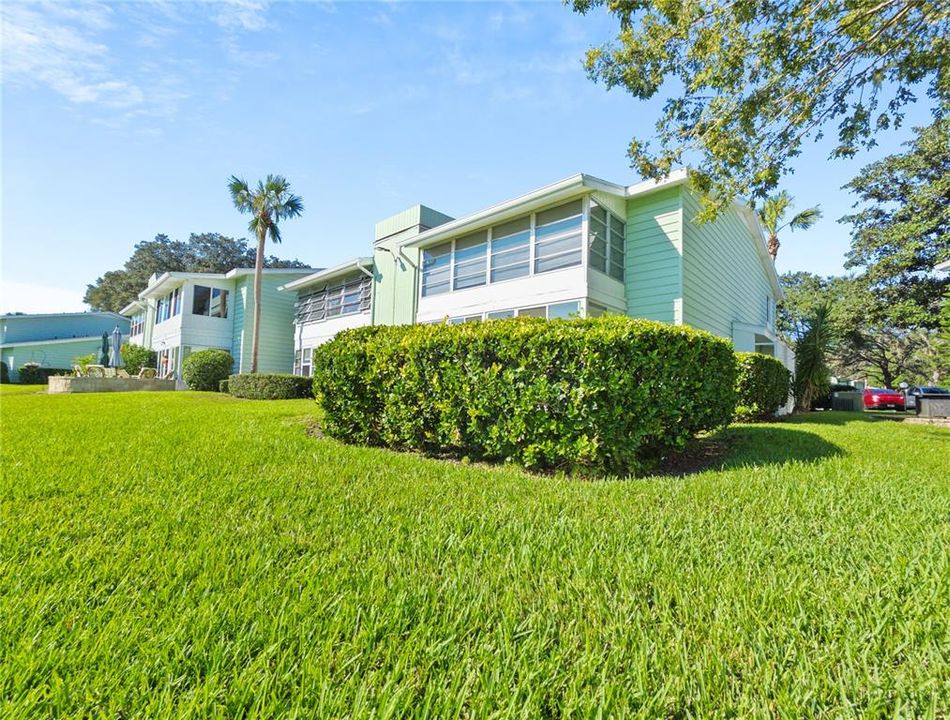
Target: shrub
(34,374)
(258,386)
(4,373)
(224,386)
(136,357)
(84,361)
(605,395)
(762,386)
(205,369)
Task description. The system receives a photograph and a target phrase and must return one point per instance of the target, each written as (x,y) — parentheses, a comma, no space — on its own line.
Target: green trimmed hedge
(34,374)
(275,386)
(604,395)
(763,385)
(4,373)
(205,369)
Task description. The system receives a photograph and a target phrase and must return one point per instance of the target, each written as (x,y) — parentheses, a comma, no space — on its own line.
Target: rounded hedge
(604,395)
(136,357)
(261,386)
(762,386)
(205,369)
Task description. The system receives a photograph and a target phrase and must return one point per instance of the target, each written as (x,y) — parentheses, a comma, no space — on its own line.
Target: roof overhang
(364,264)
(567,189)
(52,341)
(132,308)
(171,280)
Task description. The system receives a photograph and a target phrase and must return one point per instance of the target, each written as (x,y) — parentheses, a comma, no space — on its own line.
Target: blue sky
(124,120)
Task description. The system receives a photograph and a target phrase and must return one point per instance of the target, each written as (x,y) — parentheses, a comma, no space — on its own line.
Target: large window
(557,237)
(606,242)
(168,306)
(346,296)
(211,302)
(504,252)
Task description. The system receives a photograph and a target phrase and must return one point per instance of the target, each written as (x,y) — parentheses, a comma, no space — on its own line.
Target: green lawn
(191,555)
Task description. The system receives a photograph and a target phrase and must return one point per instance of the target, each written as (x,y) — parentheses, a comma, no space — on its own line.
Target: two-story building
(53,340)
(180,313)
(580,247)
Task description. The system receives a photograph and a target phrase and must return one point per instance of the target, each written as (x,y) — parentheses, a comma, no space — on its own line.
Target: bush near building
(274,386)
(606,395)
(205,369)
(4,373)
(35,374)
(763,385)
(136,357)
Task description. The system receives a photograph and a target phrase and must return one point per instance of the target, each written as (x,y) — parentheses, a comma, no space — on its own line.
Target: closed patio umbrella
(116,347)
(104,351)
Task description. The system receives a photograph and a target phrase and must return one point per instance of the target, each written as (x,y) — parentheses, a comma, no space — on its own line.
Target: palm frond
(805,219)
(240,193)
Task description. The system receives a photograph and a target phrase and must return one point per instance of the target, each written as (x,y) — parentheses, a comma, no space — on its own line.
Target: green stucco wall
(654,268)
(276,345)
(724,281)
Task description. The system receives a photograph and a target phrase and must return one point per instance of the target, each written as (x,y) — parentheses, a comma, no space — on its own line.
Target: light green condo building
(580,247)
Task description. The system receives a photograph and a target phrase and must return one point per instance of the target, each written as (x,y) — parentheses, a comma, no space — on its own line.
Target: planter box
(103,384)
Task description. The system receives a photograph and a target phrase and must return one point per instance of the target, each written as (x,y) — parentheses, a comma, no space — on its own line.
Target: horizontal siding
(653,256)
(28,328)
(276,346)
(53,355)
(724,281)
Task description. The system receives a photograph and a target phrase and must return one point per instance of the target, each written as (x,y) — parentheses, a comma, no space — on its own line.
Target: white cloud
(250,15)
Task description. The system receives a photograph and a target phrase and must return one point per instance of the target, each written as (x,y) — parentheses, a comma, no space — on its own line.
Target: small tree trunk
(258,281)
(773,246)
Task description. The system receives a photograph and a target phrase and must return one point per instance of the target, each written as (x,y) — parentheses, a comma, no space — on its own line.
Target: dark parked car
(914,394)
(883,399)
(824,402)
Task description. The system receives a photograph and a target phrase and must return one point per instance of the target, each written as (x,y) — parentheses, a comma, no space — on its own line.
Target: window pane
(558,228)
(202,300)
(560,212)
(557,246)
(219,303)
(436,266)
(598,242)
(510,228)
(565,310)
(501,314)
(598,213)
(470,253)
(558,262)
(510,272)
(616,271)
(533,312)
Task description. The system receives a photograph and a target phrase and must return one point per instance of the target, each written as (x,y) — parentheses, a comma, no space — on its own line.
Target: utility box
(849,401)
(933,406)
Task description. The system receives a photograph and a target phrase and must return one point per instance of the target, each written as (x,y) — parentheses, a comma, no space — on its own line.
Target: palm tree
(812,375)
(773,212)
(268,204)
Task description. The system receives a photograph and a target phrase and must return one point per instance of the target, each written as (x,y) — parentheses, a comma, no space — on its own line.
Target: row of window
(168,306)
(137,324)
(537,243)
(346,297)
(554,311)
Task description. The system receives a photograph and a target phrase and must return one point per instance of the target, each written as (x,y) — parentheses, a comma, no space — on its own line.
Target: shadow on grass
(750,446)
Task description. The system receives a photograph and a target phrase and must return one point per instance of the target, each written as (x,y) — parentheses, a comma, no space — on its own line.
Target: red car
(883,399)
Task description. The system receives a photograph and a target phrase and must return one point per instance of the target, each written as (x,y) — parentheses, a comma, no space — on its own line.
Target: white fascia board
(676,177)
(131,308)
(230,274)
(329,273)
(566,189)
(56,341)
(170,280)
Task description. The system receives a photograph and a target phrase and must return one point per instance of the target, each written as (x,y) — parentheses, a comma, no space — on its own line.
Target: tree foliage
(900,232)
(205,252)
(268,204)
(772,216)
(812,374)
(751,80)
